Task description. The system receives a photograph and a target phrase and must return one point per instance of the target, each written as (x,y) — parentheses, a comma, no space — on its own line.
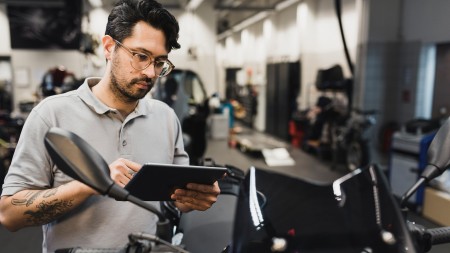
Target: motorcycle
(341,137)
(279,213)
(350,139)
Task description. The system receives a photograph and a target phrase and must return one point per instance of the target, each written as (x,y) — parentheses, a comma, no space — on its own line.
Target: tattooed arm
(38,207)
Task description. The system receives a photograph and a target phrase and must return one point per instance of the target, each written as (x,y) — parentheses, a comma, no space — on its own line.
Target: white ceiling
(229,12)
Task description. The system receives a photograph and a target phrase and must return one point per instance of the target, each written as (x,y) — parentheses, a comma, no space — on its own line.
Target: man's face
(128,83)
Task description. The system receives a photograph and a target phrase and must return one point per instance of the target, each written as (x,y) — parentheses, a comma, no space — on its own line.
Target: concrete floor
(307,167)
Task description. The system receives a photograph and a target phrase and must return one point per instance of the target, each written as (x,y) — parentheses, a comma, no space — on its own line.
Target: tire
(357,154)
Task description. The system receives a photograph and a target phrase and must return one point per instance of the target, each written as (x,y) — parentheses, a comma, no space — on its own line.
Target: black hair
(126,13)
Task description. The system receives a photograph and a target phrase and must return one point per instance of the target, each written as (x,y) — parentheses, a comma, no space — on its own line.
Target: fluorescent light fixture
(255,18)
(283,5)
(96,3)
(193,4)
(250,21)
(224,35)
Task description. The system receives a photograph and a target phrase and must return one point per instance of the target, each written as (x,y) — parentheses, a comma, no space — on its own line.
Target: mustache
(149,81)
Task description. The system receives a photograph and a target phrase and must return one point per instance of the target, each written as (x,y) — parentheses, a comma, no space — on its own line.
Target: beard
(126,91)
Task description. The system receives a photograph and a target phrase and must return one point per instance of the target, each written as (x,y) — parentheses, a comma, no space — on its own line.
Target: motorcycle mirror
(438,155)
(78,159)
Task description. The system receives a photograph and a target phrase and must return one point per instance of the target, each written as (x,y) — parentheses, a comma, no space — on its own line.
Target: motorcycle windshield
(357,213)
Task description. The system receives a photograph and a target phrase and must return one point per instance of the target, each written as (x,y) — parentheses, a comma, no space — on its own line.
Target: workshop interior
(329,116)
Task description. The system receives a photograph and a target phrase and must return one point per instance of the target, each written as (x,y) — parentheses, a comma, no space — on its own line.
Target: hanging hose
(347,55)
(349,88)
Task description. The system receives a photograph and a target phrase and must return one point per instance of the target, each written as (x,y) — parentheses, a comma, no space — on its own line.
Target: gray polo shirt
(152,133)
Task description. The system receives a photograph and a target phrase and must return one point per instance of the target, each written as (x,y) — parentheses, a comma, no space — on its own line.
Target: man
(113,115)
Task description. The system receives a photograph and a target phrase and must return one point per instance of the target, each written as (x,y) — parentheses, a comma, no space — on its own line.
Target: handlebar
(439,235)
(161,249)
(80,250)
(426,238)
(136,245)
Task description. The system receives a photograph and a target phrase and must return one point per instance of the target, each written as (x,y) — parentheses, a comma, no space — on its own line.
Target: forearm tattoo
(50,192)
(30,197)
(46,211)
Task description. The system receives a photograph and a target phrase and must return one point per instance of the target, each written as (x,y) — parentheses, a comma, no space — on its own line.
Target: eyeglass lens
(142,61)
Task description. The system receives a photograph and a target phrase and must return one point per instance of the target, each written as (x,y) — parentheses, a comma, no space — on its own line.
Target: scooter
(279,213)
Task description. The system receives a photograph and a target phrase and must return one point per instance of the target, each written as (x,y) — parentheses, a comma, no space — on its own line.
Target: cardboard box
(437,206)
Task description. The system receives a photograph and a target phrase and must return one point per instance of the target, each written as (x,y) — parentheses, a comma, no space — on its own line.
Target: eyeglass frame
(150,62)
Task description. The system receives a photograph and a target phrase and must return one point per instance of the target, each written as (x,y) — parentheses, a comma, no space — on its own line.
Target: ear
(108,46)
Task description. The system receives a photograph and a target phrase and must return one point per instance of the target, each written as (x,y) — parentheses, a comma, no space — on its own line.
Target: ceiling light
(193,4)
(283,5)
(250,21)
(96,3)
(256,18)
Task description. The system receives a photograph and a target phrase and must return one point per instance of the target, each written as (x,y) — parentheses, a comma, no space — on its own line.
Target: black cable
(347,55)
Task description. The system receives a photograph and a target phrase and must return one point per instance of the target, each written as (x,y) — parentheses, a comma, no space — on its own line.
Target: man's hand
(196,197)
(122,170)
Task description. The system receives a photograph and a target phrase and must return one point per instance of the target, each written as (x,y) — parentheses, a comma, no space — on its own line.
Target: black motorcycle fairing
(355,214)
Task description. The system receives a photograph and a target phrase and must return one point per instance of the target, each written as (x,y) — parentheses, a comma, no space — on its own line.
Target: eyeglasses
(141,61)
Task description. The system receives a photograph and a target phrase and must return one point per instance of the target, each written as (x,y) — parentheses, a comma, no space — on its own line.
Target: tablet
(156,182)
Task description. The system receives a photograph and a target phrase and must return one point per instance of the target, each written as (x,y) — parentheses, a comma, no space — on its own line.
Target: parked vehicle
(341,137)
(184,91)
(351,140)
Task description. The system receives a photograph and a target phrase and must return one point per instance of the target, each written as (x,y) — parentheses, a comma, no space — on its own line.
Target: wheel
(357,154)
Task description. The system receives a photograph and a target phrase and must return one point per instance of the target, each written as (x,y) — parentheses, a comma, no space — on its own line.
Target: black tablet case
(156,182)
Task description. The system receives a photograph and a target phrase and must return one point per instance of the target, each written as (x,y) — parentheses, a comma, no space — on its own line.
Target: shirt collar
(143,107)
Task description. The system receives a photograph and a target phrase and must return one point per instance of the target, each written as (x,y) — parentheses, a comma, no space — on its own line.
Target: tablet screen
(156,182)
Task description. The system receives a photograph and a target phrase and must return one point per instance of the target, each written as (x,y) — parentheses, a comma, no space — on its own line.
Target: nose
(150,71)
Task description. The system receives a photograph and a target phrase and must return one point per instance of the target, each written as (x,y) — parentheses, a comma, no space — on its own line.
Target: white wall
(323,46)
(5,45)
(307,31)
(198,33)
(32,64)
